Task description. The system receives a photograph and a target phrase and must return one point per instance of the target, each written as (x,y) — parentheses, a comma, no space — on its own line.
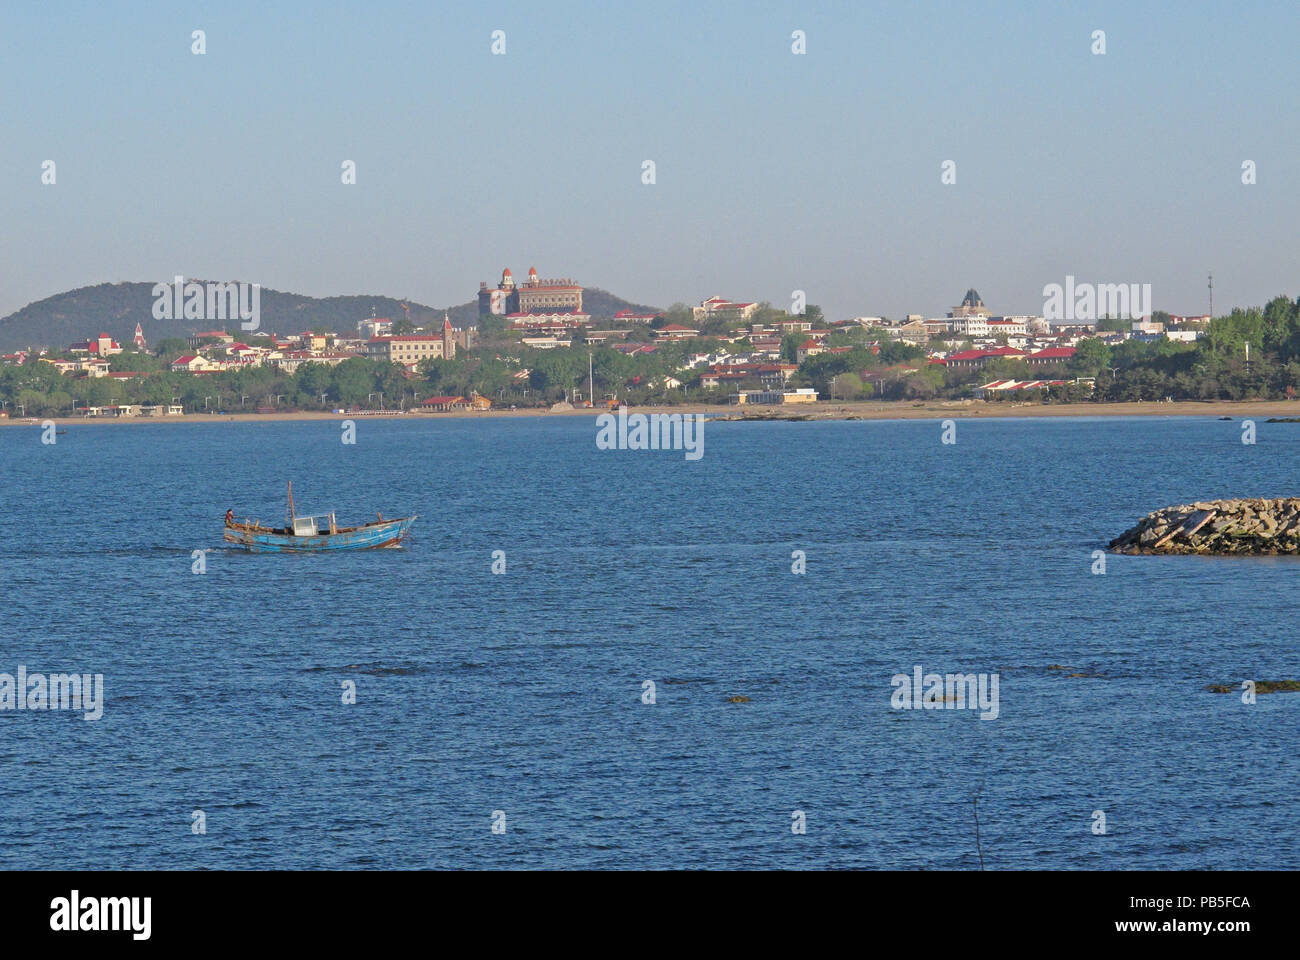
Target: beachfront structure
(1009,386)
(444,404)
(800,395)
(117,410)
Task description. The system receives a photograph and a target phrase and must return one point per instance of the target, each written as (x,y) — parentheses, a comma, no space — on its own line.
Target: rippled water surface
(522,692)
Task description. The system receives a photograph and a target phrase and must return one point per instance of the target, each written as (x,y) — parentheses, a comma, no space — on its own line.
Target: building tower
(970,306)
(448,338)
(139,338)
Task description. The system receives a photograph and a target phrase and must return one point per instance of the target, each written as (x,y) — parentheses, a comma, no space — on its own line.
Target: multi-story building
(970,326)
(102,346)
(534,296)
(196,363)
(1009,327)
(411,349)
(914,332)
(975,359)
(719,308)
(1050,356)
(374,327)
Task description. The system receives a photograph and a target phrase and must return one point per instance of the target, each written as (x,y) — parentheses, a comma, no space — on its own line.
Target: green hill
(115,308)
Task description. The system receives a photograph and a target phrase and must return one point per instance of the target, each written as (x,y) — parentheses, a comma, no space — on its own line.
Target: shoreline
(855,410)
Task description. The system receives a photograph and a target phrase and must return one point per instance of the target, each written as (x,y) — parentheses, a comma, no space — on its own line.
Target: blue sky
(775,172)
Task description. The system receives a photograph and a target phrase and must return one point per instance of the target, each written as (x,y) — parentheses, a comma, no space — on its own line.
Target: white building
(972,326)
(722,308)
(375,327)
(1009,327)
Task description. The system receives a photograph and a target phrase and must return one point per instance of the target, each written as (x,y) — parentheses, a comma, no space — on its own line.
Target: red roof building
(974,359)
(1050,356)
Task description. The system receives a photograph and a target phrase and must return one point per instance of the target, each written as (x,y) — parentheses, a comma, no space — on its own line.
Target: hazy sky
(775,172)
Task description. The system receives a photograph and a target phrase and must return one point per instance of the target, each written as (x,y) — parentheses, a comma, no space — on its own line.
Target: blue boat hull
(388,533)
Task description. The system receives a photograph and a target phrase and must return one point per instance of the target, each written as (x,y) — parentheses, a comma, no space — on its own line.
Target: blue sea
(517,698)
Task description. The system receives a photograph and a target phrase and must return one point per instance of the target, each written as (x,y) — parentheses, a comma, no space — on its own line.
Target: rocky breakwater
(1254,527)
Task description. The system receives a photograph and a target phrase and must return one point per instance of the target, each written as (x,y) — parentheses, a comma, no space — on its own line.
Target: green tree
(1091,356)
(172,347)
(790,345)
(353,380)
(847,386)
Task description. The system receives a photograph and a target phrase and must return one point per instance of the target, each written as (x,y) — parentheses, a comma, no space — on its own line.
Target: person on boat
(230,517)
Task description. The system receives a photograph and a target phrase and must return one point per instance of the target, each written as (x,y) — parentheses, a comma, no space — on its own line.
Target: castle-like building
(970,306)
(534,296)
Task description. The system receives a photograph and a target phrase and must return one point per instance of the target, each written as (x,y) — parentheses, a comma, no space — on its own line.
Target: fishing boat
(314,533)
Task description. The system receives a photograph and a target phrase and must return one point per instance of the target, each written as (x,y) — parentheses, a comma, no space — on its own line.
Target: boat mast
(292,516)
(591,396)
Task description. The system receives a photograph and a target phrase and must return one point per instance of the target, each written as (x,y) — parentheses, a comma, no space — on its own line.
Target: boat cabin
(308,527)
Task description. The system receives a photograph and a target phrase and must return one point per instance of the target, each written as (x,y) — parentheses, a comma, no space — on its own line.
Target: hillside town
(534,345)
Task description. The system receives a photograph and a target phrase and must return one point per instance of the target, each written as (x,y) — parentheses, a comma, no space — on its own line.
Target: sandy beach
(860,410)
